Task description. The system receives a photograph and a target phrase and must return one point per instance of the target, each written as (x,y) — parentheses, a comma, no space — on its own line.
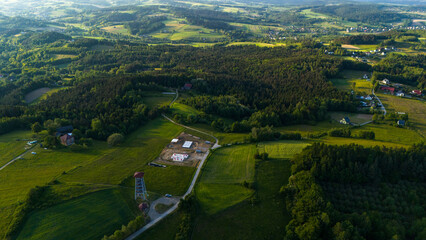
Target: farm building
(175,140)
(400,94)
(67,139)
(345,121)
(416,92)
(187,144)
(390,89)
(176,157)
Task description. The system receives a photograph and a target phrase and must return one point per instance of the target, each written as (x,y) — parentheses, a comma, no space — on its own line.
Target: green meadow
(220,185)
(89,217)
(98,167)
(281,149)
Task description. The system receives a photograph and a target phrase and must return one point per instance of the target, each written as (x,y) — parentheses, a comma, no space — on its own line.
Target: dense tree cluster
(403,69)
(366,13)
(353,192)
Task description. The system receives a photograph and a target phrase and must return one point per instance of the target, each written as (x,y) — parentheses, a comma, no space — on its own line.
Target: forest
(365,13)
(289,82)
(354,192)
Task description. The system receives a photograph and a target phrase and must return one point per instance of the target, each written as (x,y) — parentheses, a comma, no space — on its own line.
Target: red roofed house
(390,89)
(417,92)
(67,139)
(187,86)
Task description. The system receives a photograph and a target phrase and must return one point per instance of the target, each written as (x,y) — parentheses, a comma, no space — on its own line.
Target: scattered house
(187,144)
(365,76)
(400,113)
(364,104)
(400,94)
(33,153)
(401,123)
(383,54)
(177,157)
(385,81)
(416,92)
(67,139)
(368,98)
(346,121)
(390,89)
(330,53)
(208,142)
(175,140)
(187,86)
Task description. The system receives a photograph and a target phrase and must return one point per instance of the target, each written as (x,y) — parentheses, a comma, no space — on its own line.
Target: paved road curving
(383,107)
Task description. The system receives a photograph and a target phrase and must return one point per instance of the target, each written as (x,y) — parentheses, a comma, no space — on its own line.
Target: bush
(340,132)
(115,139)
(367,135)
(291,136)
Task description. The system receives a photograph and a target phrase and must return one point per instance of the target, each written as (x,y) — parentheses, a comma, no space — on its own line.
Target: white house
(385,81)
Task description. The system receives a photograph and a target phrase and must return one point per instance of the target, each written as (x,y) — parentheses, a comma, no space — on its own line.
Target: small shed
(187,86)
(175,140)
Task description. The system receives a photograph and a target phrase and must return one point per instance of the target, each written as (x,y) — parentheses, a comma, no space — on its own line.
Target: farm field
(281,149)
(102,211)
(11,145)
(387,133)
(268,217)
(363,142)
(352,80)
(220,183)
(175,31)
(356,118)
(415,109)
(157,99)
(33,95)
(116,29)
(99,165)
(259,44)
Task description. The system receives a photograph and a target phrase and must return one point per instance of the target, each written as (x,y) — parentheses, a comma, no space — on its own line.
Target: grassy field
(156,99)
(352,80)
(356,118)
(220,183)
(387,133)
(281,149)
(11,145)
(259,44)
(415,109)
(116,29)
(363,142)
(265,220)
(176,30)
(184,109)
(99,165)
(103,212)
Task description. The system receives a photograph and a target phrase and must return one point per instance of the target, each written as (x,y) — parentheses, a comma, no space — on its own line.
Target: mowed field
(265,219)
(415,109)
(352,80)
(88,217)
(12,145)
(99,166)
(221,181)
(178,29)
(282,149)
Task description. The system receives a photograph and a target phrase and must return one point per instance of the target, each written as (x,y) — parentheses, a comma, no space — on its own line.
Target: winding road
(155,217)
